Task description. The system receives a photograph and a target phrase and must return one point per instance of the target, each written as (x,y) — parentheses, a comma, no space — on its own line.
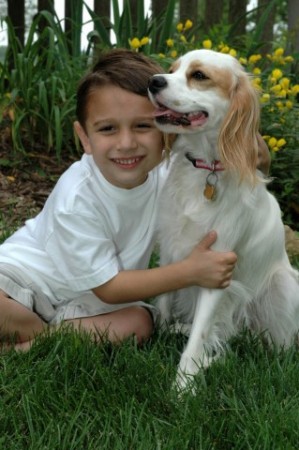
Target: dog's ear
(238,142)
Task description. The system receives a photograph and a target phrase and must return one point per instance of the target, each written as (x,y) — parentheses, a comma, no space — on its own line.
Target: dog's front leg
(195,355)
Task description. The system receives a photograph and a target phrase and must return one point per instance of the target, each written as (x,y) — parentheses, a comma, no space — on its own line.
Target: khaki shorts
(15,283)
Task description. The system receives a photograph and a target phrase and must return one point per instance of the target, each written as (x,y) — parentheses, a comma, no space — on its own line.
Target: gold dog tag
(210,187)
(209,191)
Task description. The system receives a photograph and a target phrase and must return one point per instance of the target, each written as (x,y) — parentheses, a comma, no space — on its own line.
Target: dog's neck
(201,146)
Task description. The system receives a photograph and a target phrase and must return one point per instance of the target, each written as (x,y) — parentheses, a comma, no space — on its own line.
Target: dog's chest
(186,215)
(188,197)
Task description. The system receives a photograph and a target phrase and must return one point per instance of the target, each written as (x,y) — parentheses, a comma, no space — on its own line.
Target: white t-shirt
(87,232)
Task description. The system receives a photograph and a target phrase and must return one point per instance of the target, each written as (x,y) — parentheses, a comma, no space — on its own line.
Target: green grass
(68,393)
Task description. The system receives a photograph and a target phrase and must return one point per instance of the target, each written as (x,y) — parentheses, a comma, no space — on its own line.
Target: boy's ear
(79,130)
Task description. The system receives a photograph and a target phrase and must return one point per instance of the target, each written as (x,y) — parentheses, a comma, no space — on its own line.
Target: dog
(208,100)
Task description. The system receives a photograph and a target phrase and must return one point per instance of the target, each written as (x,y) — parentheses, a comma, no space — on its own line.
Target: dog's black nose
(156,84)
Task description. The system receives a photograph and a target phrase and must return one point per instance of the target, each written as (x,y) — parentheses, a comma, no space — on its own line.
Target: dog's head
(206,90)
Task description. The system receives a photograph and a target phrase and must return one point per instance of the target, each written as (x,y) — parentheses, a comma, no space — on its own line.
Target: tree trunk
(189,10)
(67,16)
(293,24)
(16,13)
(44,5)
(47,5)
(158,7)
(213,13)
(133,9)
(237,16)
(267,35)
(103,10)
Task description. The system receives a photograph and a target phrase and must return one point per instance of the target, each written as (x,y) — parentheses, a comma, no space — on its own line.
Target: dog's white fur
(264,292)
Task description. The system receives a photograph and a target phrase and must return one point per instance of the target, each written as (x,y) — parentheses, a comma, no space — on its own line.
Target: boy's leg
(118,325)
(17,322)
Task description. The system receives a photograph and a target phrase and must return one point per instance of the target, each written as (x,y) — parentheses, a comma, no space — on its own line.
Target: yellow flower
(253,59)
(243,61)
(279,51)
(285,83)
(279,105)
(188,24)
(207,44)
(161,55)
(272,142)
(257,80)
(289,59)
(266,137)
(183,39)
(277,74)
(180,27)
(289,104)
(135,43)
(256,83)
(170,42)
(265,98)
(281,142)
(256,71)
(144,40)
(233,52)
(275,144)
(173,53)
(276,89)
(295,89)
(225,49)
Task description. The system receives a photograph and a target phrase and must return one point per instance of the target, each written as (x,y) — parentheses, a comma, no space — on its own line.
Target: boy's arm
(203,267)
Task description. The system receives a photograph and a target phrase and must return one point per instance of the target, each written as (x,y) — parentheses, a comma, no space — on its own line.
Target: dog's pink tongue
(164,112)
(198,119)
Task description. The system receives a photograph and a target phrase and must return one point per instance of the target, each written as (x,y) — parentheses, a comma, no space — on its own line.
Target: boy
(83,259)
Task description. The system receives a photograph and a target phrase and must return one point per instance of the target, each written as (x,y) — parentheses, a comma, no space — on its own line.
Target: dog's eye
(198,75)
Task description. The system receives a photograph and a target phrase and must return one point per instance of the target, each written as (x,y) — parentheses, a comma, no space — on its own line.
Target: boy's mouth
(128,162)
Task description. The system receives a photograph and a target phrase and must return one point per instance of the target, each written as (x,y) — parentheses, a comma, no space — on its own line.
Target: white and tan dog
(208,100)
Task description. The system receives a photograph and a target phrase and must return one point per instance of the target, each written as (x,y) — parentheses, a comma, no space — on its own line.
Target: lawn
(70,394)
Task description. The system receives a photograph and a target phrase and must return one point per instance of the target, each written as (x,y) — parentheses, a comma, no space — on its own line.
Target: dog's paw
(184,383)
(188,369)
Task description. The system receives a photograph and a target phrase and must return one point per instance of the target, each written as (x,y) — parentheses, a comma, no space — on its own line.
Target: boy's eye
(145,125)
(106,129)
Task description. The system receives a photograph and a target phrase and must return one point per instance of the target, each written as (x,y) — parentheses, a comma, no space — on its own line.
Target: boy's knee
(17,320)
(144,324)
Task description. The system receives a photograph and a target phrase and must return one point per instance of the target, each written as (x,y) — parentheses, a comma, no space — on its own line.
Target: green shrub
(38,84)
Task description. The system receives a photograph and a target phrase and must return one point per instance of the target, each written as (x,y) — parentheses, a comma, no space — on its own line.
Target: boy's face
(121,135)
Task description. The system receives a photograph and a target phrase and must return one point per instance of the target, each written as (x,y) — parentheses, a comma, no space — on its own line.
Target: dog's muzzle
(156,84)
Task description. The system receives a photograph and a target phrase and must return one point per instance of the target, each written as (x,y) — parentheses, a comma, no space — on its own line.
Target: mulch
(25,184)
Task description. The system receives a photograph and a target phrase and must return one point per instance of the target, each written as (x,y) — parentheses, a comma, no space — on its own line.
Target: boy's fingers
(208,240)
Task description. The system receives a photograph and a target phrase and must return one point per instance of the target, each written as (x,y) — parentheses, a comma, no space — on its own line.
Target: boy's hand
(208,268)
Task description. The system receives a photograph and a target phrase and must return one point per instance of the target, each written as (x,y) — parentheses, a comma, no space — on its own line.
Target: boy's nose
(127,140)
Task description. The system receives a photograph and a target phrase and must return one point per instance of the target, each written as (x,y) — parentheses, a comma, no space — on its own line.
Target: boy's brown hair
(121,67)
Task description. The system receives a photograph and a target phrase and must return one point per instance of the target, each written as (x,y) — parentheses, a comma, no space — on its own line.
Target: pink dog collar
(216,165)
